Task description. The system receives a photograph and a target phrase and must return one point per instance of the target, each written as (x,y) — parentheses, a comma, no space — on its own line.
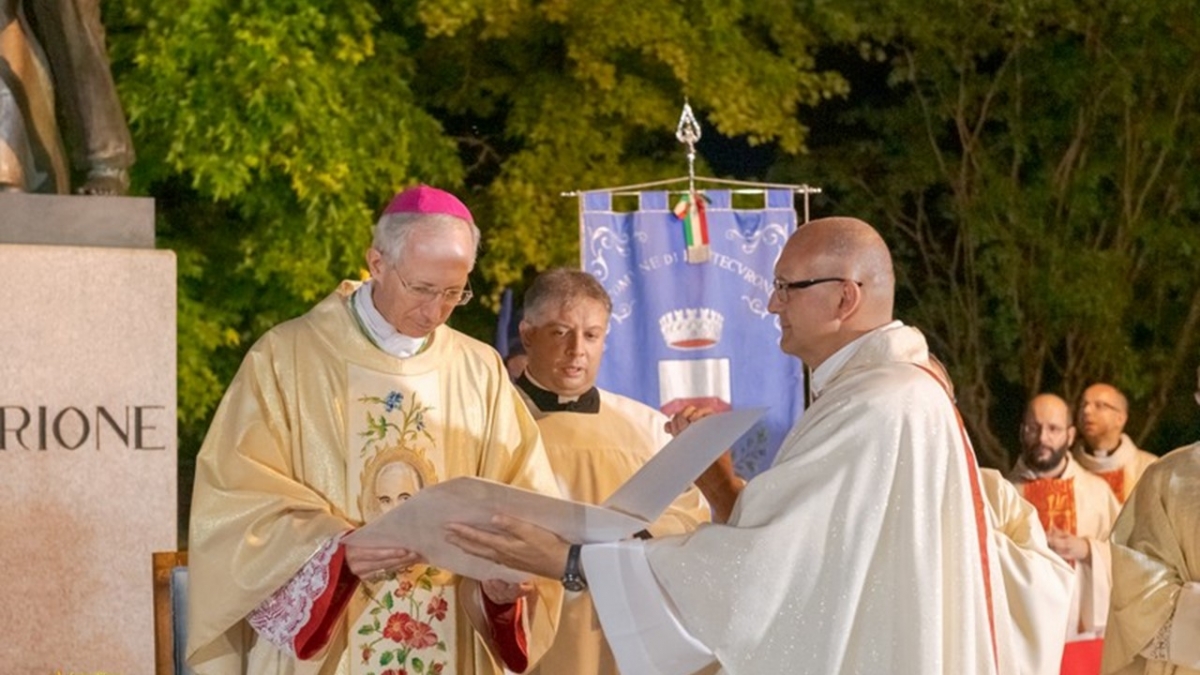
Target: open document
(419,523)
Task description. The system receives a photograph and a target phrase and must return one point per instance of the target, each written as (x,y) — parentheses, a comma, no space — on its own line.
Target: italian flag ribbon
(691,211)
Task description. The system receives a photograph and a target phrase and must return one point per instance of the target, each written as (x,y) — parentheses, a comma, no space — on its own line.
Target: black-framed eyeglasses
(449,296)
(782,287)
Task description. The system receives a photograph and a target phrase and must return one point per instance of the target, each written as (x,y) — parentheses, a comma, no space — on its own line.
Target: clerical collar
(831,365)
(548,401)
(383,334)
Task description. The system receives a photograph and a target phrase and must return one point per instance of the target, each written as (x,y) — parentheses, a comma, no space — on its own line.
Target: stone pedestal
(87,431)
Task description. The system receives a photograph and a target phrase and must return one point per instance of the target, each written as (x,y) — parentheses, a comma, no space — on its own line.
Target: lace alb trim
(1159,648)
(279,618)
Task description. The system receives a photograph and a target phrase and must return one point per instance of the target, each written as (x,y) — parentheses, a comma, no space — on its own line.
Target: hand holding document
(418,524)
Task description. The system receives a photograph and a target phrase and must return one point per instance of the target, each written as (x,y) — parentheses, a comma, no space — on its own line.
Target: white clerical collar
(539,385)
(831,365)
(383,334)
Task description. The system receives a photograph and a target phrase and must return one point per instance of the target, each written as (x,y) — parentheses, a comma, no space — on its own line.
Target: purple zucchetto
(425,199)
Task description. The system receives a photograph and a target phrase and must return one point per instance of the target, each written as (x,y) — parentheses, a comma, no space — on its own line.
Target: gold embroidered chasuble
(320,431)
(593,454)
(1156,573)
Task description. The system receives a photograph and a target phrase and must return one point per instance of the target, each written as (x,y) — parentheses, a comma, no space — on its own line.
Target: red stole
(1054,499)
(981,526)
(1116,481)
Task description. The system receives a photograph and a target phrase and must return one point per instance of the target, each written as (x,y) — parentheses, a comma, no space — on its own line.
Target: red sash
(981,527)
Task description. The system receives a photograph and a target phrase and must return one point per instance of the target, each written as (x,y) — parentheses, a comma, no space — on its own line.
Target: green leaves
(271,133)
(1030,164)
(587,94)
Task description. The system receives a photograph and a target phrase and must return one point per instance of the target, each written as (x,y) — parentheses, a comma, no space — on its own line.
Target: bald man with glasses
(1103,446)
(1077,510)
(325,413)
(863,549)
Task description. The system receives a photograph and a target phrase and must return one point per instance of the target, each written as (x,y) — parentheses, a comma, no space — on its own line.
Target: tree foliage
(577,94)
(1033,163)
(1035,166)
(272,132)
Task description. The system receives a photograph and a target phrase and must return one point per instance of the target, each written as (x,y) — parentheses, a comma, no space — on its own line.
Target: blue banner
(687,332)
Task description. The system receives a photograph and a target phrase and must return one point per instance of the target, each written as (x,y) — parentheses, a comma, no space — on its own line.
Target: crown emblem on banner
(691,328)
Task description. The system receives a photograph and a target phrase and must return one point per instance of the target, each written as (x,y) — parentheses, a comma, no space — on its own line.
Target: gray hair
(559,286)
(393,230)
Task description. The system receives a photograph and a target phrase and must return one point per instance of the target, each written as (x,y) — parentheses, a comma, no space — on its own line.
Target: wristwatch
(572,578)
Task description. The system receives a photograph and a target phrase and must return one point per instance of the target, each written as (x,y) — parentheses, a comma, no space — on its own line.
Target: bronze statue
(53,60)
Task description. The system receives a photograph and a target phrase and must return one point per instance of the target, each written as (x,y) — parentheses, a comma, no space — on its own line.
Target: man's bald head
(855,250)
(1102,390)
(1050,405)
(854,292)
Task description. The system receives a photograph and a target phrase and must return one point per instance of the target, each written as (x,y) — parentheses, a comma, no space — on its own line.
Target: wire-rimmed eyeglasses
(782,287)
(447,296)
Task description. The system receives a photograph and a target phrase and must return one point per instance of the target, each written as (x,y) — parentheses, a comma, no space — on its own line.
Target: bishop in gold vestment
(333,418)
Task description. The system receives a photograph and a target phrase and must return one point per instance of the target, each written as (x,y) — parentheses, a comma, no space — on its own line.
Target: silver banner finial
(688,133)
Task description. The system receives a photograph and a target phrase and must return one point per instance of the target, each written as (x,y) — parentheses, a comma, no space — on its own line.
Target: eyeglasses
(782,287)
(448,296)
(1102,405)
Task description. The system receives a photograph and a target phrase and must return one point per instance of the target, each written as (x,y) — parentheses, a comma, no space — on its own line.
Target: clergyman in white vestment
(863,549)
(1077,509)
(1104,448)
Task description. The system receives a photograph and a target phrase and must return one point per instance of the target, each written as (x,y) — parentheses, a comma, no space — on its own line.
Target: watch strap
(572,578)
